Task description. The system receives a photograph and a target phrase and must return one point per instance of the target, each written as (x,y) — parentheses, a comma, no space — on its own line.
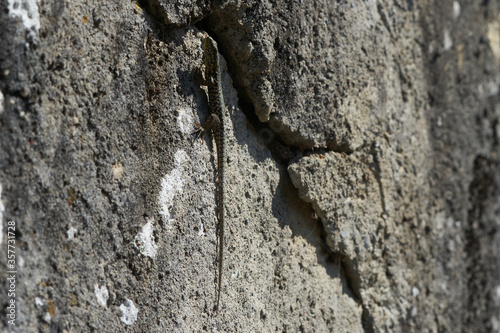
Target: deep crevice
(350,277)
(354,283)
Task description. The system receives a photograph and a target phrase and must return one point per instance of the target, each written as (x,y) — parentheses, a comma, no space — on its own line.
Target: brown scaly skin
(216,123)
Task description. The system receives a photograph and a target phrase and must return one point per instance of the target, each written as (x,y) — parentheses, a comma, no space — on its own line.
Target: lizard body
(216,123)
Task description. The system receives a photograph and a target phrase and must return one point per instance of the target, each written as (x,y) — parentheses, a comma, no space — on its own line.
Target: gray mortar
(377,210)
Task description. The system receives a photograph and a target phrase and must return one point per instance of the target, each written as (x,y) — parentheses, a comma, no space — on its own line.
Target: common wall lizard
(216,123)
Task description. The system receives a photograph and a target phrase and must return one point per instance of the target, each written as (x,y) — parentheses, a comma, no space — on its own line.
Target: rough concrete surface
(363,166)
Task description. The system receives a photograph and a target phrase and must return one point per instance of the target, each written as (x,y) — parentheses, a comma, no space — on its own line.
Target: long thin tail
(220,204)
(221,245)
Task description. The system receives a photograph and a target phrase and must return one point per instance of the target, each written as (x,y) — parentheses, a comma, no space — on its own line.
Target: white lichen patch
(494,37)
(27,11)
(447,42)
(185,121)
(456,9)
(117,170)
(145,240)
(20,261)
(38,301)
(2,100)
(129,312)
(71,233)
(201,232)
(172,184)
(101,294)
(415,291)
(497,295)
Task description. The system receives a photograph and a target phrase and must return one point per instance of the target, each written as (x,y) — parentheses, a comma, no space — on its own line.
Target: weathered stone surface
(178,13)
(384,115)
(358,214)
(335,77)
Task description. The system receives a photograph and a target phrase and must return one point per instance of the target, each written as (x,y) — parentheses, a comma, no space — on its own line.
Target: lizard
(216,124)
